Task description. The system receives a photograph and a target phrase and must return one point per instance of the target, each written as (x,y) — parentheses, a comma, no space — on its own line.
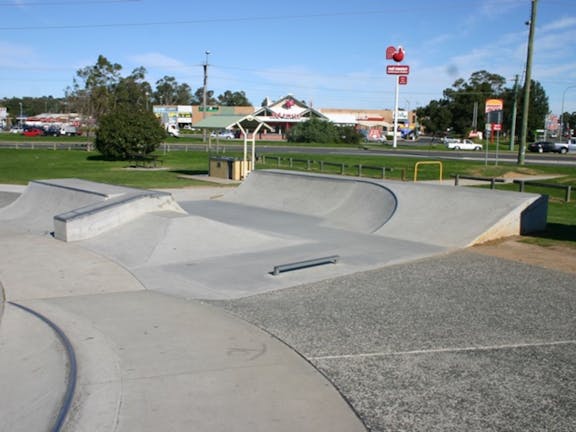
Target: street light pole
(20,103)
(562,111)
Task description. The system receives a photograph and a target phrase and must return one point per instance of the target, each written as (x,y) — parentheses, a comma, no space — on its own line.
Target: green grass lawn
(19,166)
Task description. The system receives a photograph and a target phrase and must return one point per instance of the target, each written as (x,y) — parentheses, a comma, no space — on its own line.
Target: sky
(330,54)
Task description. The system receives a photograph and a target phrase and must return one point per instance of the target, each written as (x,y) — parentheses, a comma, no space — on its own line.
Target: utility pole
(514,113)
(204,90)
(527,83)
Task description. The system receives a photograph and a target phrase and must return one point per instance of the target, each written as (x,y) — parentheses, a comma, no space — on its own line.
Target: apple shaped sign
(398,56)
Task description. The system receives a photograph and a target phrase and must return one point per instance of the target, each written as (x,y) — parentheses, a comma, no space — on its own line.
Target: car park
(464,144)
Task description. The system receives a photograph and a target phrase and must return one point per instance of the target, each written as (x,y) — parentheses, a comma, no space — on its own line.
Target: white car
(225,134)
(465,144)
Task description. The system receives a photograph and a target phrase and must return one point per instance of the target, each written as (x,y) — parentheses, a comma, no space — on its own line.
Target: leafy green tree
(456,109)
(568,122)
(465,95)
(122,134)
(350,135)
(436,117)
(132,92)
(171,92)
(92,91)
(198,97)
(539,109)
(237,98)
(314,131)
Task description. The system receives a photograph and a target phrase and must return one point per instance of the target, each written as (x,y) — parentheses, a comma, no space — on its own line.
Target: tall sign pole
(401,72)
(527,82)
(395,139)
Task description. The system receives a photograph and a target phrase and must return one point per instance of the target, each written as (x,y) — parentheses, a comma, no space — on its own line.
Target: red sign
(398,70)
(390,52)
(403,79)
(496,127)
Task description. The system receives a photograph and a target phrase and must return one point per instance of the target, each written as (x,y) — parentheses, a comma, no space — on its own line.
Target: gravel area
(461,342)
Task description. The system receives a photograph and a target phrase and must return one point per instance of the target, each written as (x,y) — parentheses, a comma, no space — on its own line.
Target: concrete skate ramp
(458,217)
(76,209)
(35,209)
(432,214)
(351,204)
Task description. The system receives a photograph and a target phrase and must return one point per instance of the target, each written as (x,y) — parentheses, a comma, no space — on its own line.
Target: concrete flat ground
(442,338)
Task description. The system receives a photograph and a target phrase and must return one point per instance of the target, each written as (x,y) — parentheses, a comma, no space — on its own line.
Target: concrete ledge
(92,220)
(76,209)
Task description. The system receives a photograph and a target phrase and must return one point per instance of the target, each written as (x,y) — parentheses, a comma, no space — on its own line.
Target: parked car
(464,144)
(16,130)
(543,147)
(224,134)
(32,132)
(565,147)
(52,131)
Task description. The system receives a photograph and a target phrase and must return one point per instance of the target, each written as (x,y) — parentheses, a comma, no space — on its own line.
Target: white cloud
(560,24)
(158,60)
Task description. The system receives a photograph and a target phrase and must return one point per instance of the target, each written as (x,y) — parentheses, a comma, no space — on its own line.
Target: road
(405,149)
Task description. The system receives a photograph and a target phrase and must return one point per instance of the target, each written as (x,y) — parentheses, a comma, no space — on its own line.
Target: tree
(436,117)
(539,109)
(198,98)
(314,131)
(92,90)
(237,98)
(133,91)
(122,134)
(170,92)
(465,95)
(568,123)
(456,109)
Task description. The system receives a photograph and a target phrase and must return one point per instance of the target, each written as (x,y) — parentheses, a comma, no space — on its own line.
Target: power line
(236,19)
(64,3)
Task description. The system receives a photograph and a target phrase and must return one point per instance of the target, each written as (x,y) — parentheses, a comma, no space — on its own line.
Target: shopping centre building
(284,113)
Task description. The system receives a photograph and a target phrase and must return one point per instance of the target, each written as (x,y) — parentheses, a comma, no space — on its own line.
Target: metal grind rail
(298,265)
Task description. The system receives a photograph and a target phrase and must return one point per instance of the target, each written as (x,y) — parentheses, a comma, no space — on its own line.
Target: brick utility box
(228,168)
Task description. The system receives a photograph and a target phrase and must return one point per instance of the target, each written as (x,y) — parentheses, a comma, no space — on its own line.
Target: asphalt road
(406,148)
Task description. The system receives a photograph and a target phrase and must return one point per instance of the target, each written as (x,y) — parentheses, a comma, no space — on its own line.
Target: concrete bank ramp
(75,209)
(432,214)
(351,204)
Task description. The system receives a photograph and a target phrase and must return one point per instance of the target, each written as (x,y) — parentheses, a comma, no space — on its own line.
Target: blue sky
(329,53)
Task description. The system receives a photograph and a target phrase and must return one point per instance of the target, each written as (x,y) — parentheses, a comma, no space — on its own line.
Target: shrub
(121,134)
(314,131)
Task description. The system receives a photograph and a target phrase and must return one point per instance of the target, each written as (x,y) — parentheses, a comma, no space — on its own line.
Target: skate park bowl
(234,244)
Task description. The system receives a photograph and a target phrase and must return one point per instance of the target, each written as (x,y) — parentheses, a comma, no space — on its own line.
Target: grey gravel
(460,342)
